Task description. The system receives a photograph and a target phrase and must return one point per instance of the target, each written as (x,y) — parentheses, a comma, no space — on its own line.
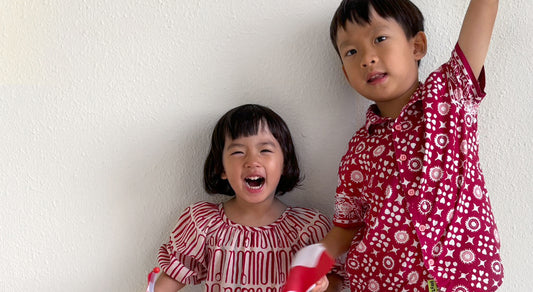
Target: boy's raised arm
(476,32)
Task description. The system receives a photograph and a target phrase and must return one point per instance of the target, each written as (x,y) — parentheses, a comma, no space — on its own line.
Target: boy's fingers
(321,285)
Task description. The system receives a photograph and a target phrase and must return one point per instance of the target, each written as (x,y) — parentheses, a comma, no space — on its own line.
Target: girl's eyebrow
(266,143)
(234,145)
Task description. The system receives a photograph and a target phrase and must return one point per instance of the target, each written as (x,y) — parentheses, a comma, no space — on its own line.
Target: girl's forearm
(166,284)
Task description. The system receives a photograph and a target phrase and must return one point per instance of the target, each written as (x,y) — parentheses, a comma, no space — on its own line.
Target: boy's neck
(393,108)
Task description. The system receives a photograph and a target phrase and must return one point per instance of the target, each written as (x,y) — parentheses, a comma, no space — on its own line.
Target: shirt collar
(373,116)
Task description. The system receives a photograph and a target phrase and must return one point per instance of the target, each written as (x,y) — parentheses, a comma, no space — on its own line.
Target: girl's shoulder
(306,215)
(204,211)
(307,224)
(205,205)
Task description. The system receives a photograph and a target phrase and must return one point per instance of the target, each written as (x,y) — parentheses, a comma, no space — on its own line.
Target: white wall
(106,108)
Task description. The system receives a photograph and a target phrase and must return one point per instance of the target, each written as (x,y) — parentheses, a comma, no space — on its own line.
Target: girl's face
(379,61)
(253,166)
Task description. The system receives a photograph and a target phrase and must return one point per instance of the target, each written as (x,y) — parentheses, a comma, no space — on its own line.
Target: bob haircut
(243,121)
(358,11)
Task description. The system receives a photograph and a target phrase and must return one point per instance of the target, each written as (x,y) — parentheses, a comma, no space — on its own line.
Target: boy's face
(379,61)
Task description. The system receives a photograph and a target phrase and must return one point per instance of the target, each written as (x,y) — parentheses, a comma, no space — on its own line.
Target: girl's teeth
(255,182)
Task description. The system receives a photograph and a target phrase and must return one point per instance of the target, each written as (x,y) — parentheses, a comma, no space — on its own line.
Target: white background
(106,108)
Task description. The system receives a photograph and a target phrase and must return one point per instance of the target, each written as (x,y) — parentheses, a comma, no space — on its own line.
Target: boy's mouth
(254,182)
(376,76)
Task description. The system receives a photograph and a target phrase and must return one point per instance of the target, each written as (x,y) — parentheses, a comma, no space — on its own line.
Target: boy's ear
(420,45)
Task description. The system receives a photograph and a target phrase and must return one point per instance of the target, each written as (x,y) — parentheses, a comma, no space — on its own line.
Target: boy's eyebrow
(343,44)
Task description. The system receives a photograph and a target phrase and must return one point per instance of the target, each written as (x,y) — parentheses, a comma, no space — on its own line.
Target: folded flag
(309,265)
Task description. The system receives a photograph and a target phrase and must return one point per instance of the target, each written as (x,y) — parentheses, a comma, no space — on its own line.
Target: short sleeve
(349,211)
(183,256)
(463,87)
(350,207)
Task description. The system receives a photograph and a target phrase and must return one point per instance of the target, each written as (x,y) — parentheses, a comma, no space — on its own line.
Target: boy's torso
(419,176)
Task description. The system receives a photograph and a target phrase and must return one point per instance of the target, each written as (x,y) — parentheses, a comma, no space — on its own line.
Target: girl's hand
(321,285)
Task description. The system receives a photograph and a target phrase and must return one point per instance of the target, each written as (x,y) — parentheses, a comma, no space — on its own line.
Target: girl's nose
(252,161)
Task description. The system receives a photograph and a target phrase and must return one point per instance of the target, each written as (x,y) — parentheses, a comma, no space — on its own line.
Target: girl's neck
(254,215)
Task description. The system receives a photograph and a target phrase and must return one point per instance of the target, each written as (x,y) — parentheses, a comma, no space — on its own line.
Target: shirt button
(431,262)
(411,192)
(403,157)
(398,127)
(422,228)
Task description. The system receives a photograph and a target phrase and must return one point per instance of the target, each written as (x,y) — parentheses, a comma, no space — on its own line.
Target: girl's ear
(420,44)
(223,175)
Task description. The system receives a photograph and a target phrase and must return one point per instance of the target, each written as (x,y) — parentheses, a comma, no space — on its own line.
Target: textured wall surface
(106,107)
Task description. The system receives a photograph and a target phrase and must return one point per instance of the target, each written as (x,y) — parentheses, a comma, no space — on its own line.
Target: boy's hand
(308,267)
(321,285)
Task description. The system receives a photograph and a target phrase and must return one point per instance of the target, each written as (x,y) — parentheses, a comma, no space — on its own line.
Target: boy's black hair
(243,121)
(358,11)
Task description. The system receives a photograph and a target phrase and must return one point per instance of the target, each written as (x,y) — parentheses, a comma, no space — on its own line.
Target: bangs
(245,125)
(356,12)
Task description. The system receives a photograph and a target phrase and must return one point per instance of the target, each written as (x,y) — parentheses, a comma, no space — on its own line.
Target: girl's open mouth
(255,182)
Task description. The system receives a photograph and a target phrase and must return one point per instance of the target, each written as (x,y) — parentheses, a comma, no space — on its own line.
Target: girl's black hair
(358,11)
(244,121)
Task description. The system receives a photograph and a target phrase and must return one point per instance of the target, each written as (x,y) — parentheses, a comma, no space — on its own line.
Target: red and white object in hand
(309,265)
(151,279)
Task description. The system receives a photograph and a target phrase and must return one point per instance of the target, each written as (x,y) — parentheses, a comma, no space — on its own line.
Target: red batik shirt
(415,187)
(207,247)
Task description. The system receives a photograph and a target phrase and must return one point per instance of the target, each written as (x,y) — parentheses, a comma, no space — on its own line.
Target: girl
(249,240)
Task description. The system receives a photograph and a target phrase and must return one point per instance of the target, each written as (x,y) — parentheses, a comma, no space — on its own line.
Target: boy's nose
(368,57)
(367,62)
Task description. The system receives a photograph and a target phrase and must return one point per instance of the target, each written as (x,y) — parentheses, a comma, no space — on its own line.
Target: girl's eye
(351,52)
(266,151)
(379,39)
(237,152)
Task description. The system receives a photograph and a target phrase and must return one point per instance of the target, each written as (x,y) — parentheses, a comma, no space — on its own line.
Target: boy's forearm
(338,240)
(476,32)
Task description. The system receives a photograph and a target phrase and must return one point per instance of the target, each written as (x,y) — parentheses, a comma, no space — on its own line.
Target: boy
(411,206)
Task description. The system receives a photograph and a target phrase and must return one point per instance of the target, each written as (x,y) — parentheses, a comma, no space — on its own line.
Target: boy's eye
(379,39)
(351,52)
